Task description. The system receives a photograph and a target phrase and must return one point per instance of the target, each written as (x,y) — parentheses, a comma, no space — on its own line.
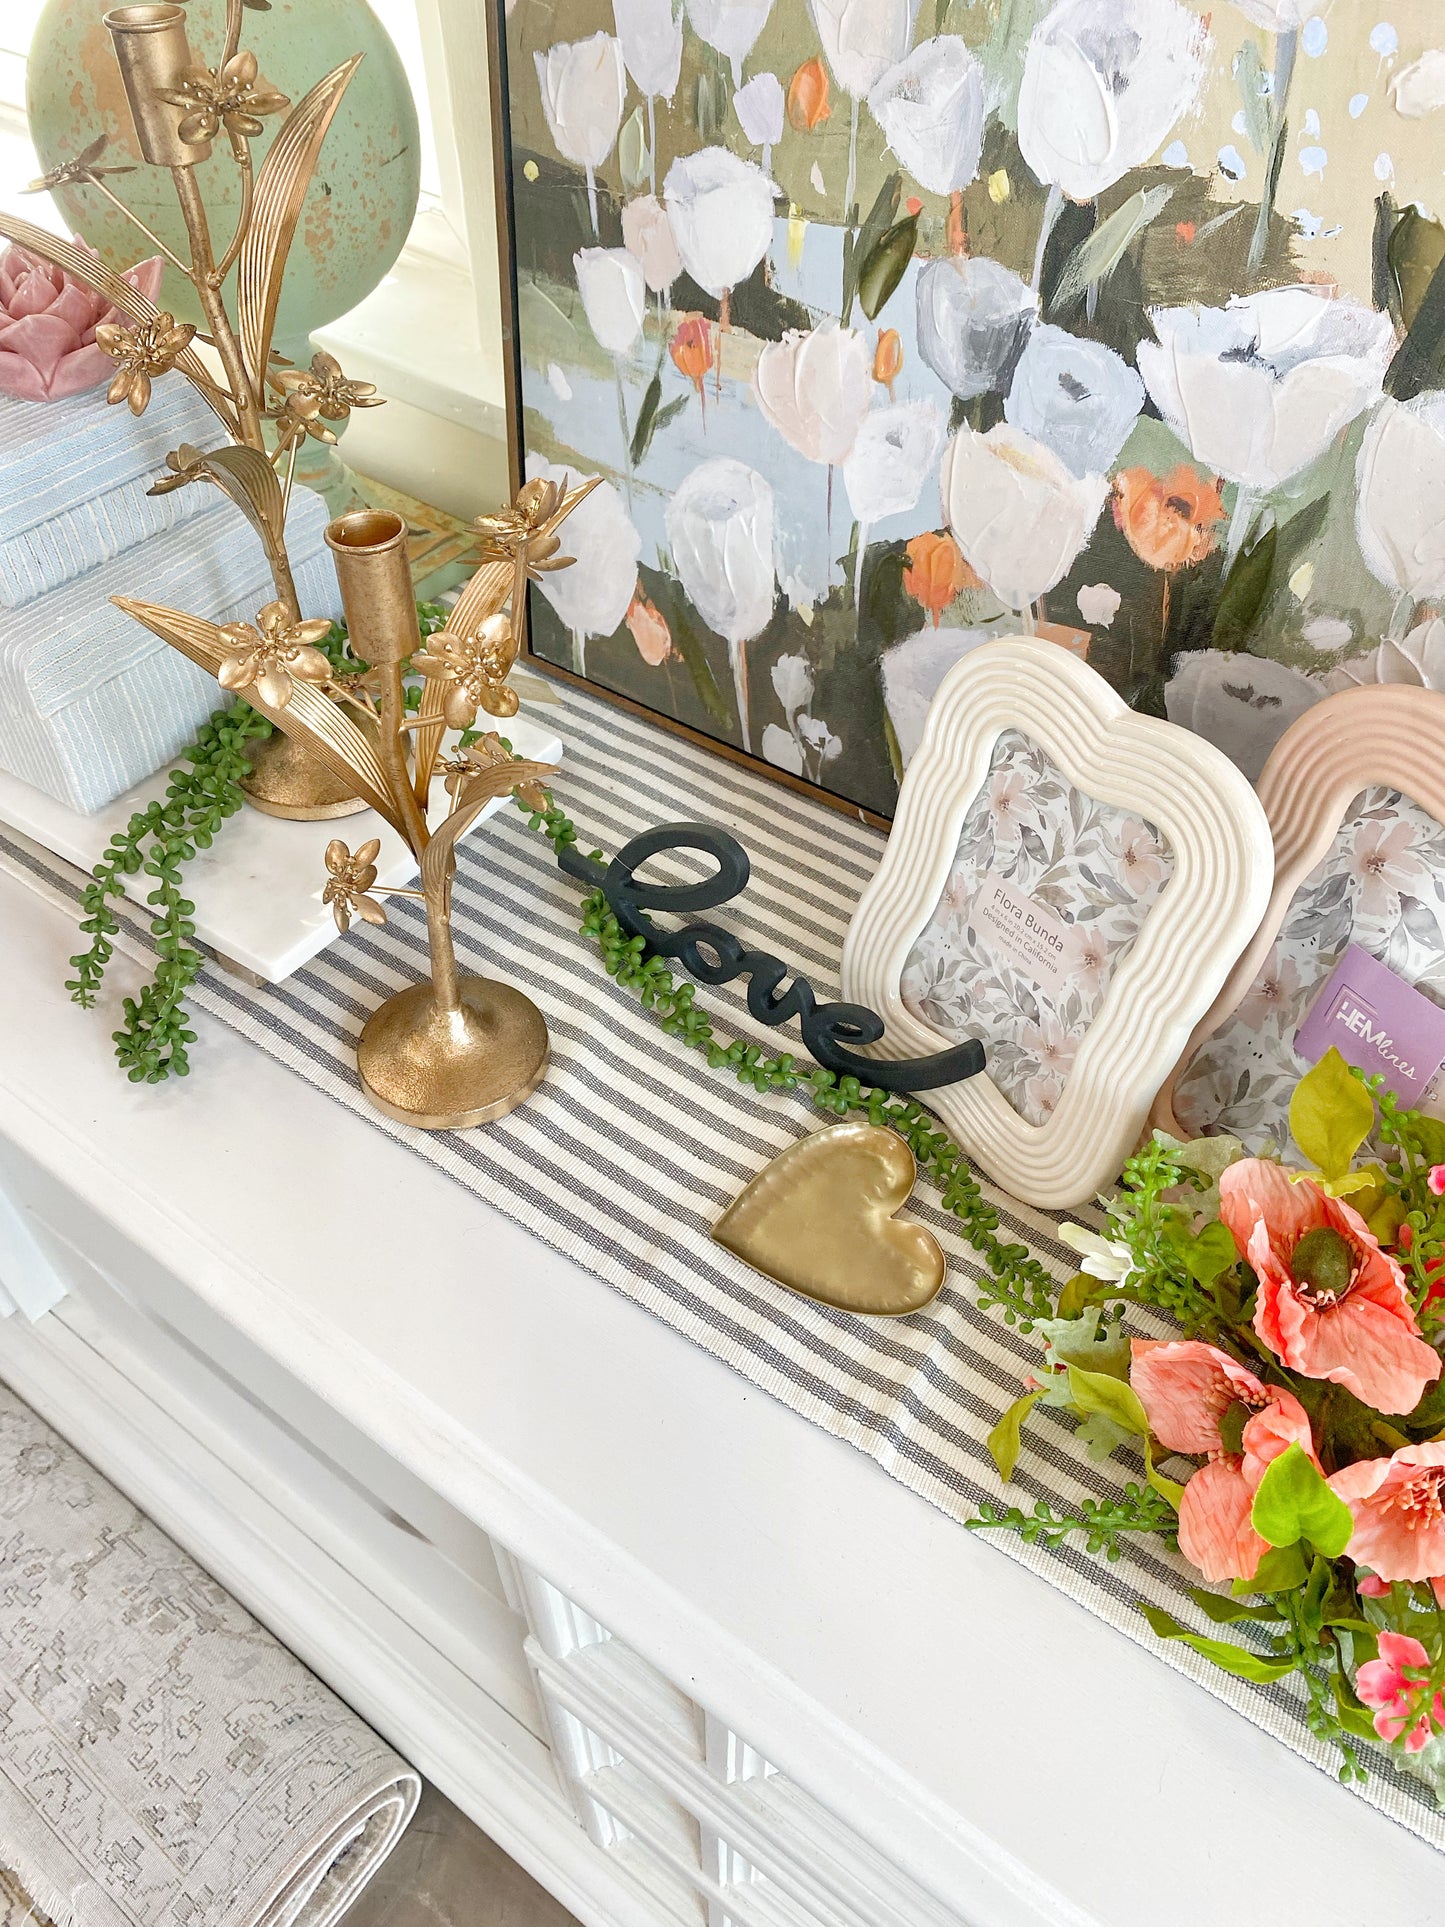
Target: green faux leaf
(1293,1502)
(1204,1257)
(1168,1489)
(1225,1611)
(1003,1441)
(1331,1114)
(883,267)
(1096,257)
(1354,1719)
(1082,1291)
(856,249)
(1231,1659)
(1111,1398)
(1244,592)
(1280,1570)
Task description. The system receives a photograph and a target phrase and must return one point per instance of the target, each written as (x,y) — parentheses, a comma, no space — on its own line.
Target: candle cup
(154,55)
(373,571)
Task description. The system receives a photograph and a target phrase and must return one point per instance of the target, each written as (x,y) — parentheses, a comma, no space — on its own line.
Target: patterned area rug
(16,1907)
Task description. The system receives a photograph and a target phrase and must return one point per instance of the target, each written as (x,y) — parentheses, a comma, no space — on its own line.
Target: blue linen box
(90,701)
(73,481)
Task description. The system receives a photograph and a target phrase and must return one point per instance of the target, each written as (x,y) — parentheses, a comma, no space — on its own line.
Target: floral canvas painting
(894,326)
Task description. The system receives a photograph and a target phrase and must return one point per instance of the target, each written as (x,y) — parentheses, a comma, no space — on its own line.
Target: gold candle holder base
(285,781)
(442,1070)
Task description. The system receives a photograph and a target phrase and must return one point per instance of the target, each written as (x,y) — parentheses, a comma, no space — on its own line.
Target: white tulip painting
(895,328)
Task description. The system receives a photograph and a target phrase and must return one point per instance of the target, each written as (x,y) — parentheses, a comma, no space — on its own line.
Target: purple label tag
(1378,1022)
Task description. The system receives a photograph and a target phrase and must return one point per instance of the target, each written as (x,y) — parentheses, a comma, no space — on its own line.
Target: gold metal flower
(77,172)
(140,352)
(522,532)
(235,98)
(324,384)
(476,667)
(351,877)
(481,759)
(275,655)
(184,464)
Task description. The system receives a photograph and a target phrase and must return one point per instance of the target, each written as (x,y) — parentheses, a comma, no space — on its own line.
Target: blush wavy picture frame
(1390,734)
(1220,840)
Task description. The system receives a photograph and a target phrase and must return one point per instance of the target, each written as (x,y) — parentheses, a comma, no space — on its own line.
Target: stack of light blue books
(90,702)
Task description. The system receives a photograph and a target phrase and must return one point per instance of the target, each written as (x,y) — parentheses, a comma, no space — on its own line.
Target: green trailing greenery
(154,1038)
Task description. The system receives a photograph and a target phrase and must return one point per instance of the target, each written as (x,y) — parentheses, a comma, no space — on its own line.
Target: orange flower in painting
(1168,521)
(691,347)
(808,103)
(649,630)
(935,573)
(888,359)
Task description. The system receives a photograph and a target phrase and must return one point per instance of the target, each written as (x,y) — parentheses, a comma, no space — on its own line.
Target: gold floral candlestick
(179,105)
(457,1049)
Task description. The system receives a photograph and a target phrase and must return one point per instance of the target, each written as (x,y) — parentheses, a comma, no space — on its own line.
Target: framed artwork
(898,326)
(1355,794)
(1069,882)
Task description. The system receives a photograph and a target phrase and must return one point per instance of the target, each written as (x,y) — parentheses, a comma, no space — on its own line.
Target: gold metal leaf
(83,266)
(428,739)
(252,484)
(280,192)
(309,715)
(438,860)
(485,595)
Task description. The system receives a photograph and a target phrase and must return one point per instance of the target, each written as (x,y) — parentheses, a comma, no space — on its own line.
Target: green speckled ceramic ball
(362,197)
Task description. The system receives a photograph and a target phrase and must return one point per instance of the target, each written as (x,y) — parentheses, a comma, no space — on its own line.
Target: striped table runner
(632,1146)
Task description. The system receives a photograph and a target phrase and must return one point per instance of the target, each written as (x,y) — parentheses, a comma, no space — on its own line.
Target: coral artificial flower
(1392,1684)
(648,628)
(808,104)
(474,668)
(1168,521)
(275,655)
(352,875)
(1398,1506)
(142,351)
(1330,1303)
(1187,1389)
(935,573)
(888,359)
(234,98)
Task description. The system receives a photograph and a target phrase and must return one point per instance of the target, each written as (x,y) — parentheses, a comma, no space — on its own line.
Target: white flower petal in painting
(973,319)
(584,85)
(1076,397)
(759,107)
(818,740)
(647,234)
(895,454)
(1104,83)
(782,749)
(1400,496)
(793,683)
(721,210)
(651,36)
(815,389)
(1259,389)
(720,527)
(1416,660)
(1099,603)
(731,27)
(1419,89)
(614,295)
(862,39)
(1242,704)
(1281,16)
(912,672)
(931,109)
(1016,512)
(592,598)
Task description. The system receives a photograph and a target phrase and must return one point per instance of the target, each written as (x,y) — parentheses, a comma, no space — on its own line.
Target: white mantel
(1023,1762)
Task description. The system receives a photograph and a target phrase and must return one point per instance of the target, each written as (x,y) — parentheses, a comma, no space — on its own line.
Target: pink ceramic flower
(1186,1388)
(48,322)
(1392,1683)
(1331,1303)
(1396,1504)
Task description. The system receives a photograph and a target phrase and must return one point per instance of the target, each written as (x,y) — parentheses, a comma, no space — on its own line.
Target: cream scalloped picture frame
(1218,837)
(1389,734)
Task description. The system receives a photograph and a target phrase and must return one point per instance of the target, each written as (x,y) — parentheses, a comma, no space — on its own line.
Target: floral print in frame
(1089,872)
(1382,886)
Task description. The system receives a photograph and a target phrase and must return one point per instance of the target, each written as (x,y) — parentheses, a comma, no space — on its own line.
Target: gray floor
(445,1873)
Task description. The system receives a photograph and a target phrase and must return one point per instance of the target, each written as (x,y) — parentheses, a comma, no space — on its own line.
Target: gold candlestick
(180,106)
(458,1049)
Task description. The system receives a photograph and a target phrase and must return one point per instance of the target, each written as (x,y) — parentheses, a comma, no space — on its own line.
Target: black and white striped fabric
(632,1147)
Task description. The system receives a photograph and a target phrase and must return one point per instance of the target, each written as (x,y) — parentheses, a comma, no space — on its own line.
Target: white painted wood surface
(955,1740)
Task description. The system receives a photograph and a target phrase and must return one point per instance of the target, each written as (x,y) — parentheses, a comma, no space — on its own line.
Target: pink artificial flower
(1392,1683)
(1362,1335)
(1396,1504)
(1436,1180)
(48,322)
(1186,1387)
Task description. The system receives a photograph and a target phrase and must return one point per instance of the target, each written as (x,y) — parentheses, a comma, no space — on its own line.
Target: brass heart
(819,1219)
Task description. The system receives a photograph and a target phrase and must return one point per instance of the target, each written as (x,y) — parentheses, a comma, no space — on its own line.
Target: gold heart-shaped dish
(820,1219)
